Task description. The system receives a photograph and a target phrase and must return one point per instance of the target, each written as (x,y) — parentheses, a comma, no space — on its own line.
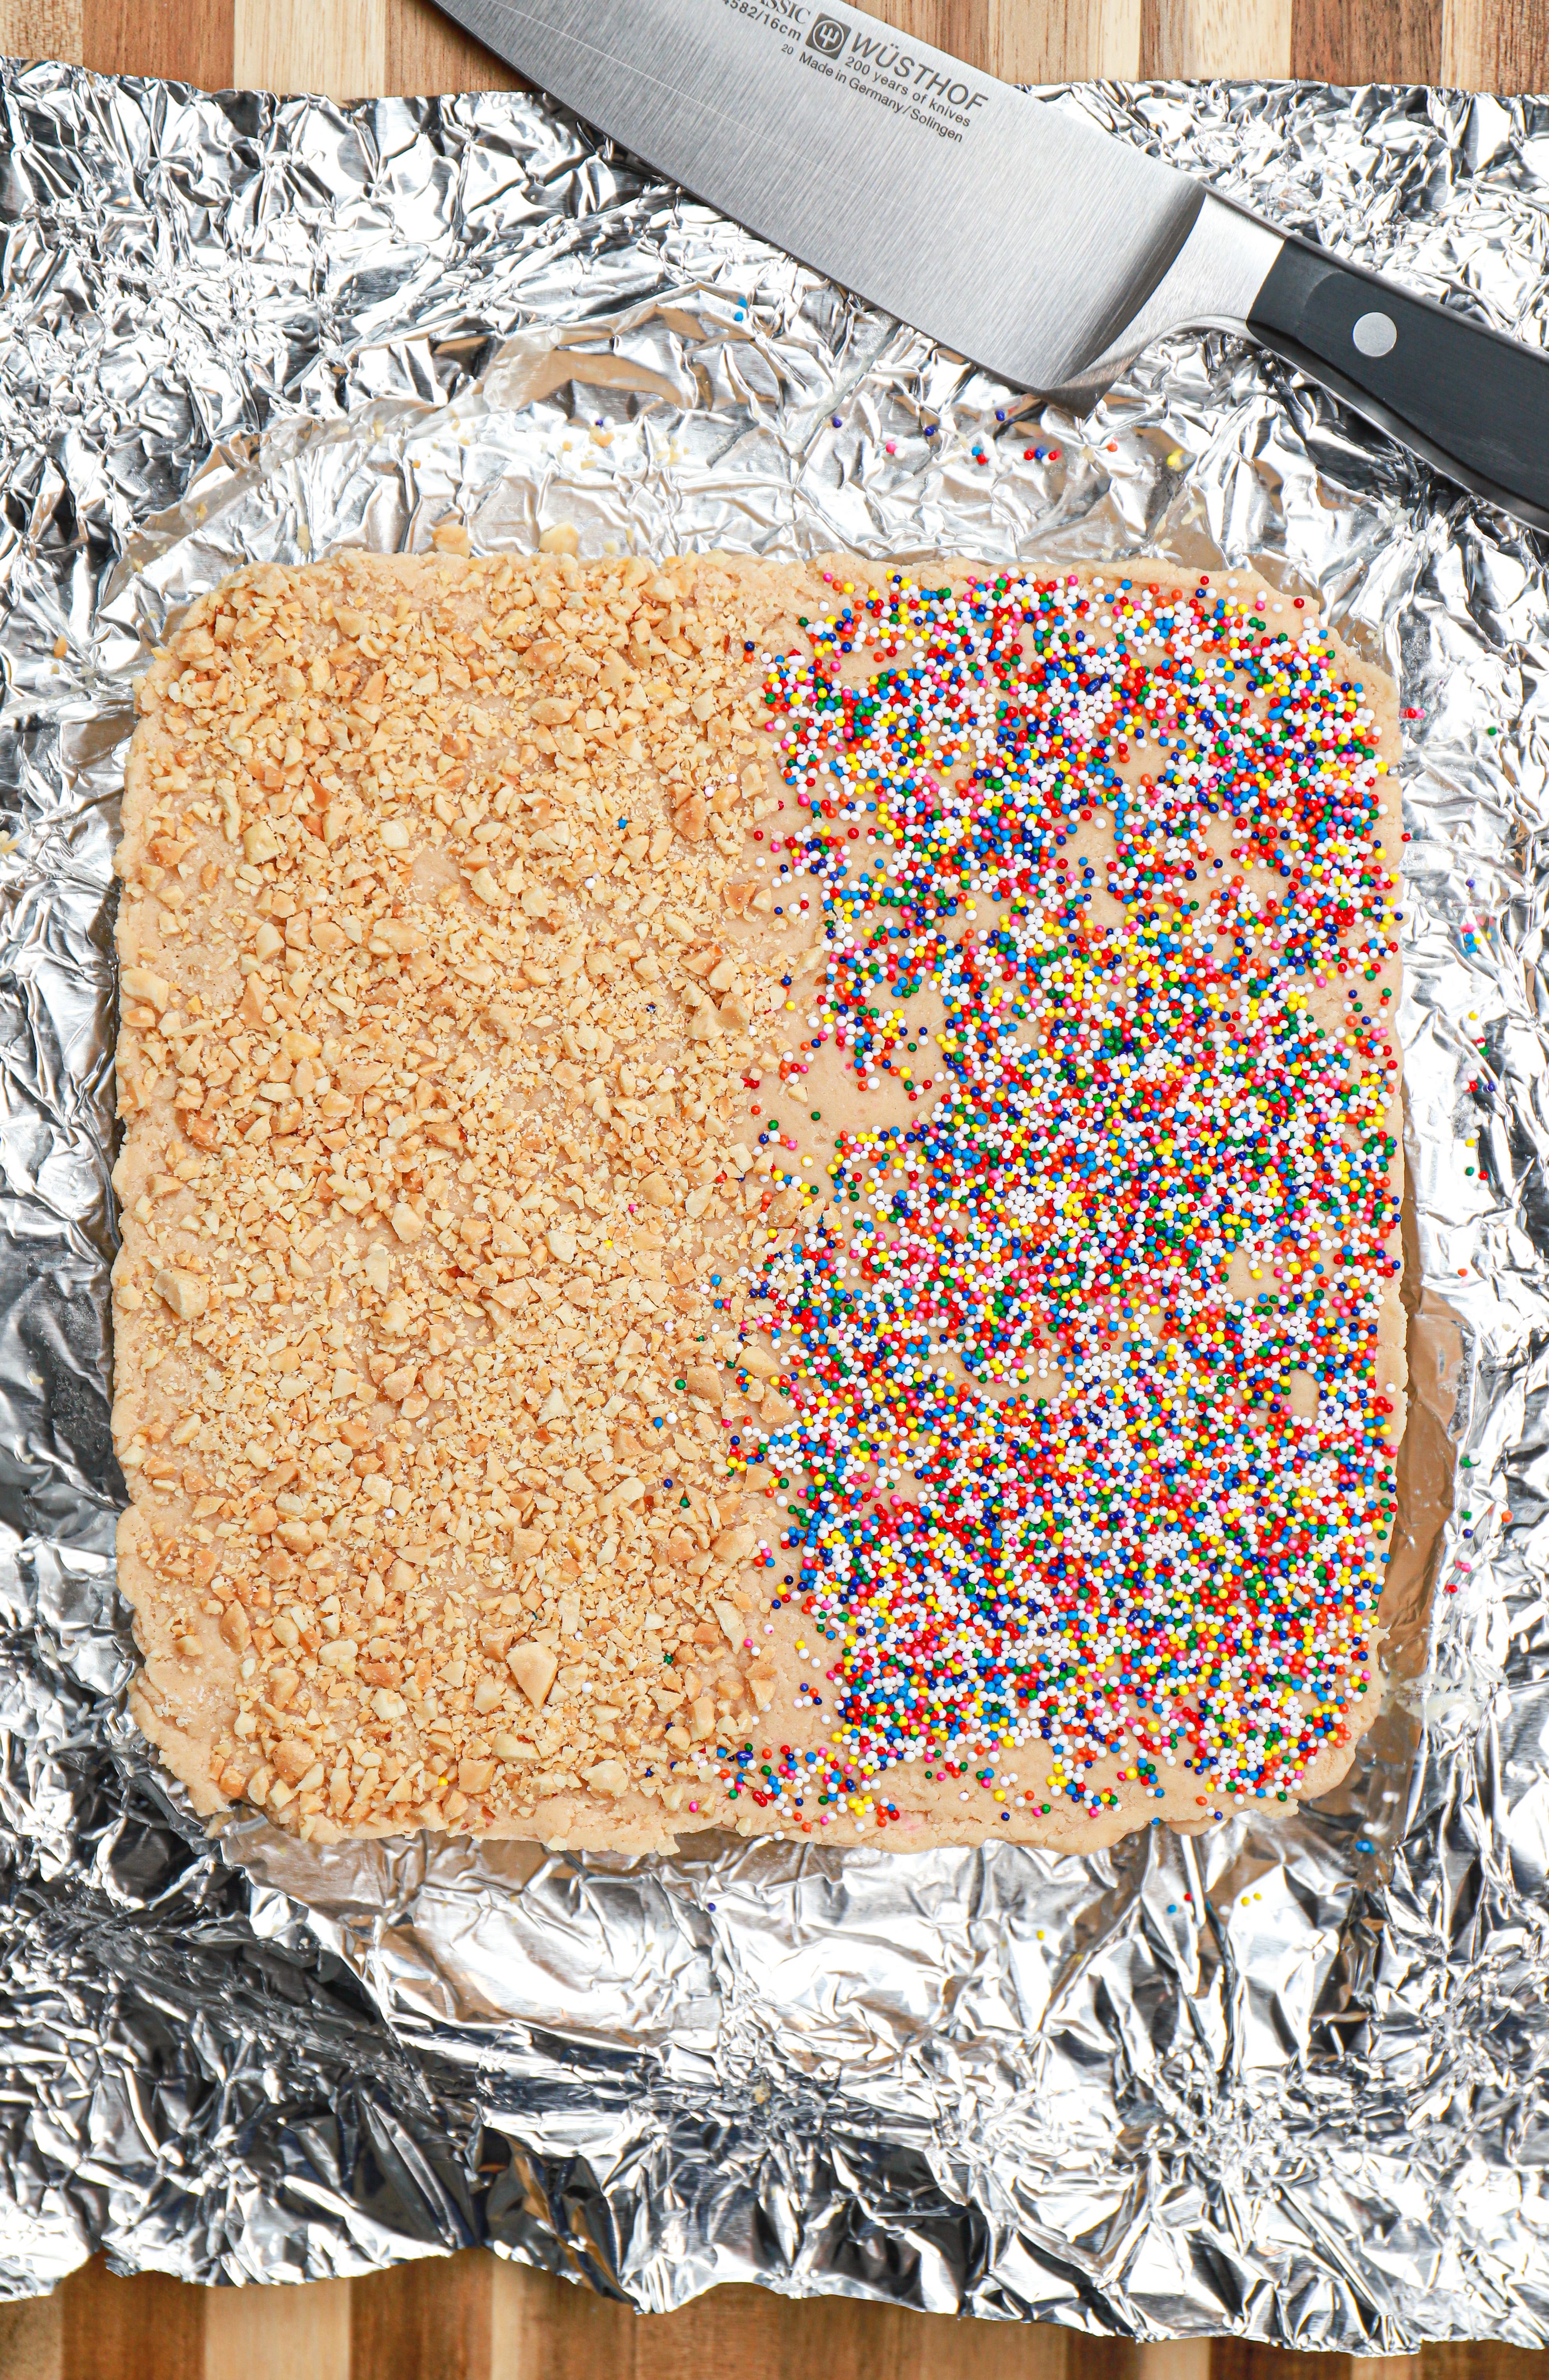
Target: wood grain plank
(548,2329)
(41,29)
(1067,41)
(300,2333)
(1501,46)
(1199,39)
(966,27)
(1175,2359)
(146,2327)
(189,41)
(338,47)
(540,2331)
(1025,41)
(1366,41)
(1235,2359)
(1241,2359)
(430,2320)
(33,2339)
(1478,2359)
(427,53)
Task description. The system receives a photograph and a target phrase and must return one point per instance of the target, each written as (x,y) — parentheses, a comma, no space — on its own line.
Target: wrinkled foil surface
(1286,2080)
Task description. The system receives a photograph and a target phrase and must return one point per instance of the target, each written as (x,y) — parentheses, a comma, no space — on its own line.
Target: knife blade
(1007,226)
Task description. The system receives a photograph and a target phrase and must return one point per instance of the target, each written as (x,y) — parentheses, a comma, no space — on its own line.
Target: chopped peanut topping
(429,1054)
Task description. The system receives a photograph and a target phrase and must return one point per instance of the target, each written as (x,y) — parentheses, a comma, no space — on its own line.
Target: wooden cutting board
(471,2317)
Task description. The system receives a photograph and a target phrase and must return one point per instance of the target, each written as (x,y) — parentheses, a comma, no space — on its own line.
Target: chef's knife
(1008,227)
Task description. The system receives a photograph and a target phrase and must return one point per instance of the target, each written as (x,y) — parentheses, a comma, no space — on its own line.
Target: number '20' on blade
(1002,226)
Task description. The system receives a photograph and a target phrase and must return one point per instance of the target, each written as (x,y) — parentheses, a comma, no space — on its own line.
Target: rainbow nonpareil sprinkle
(1085,1361)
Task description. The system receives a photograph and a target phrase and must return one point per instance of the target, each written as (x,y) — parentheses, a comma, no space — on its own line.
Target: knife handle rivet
(1375,333)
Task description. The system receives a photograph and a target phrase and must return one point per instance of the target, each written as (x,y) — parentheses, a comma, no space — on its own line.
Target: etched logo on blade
(828,36)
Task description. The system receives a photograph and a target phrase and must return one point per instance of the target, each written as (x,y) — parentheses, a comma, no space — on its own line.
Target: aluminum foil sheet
(1286,2080)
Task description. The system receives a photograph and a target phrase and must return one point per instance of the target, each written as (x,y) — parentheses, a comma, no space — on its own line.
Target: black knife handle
(1473,404)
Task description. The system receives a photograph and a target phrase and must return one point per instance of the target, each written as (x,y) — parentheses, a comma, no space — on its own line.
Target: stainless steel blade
(1005,227)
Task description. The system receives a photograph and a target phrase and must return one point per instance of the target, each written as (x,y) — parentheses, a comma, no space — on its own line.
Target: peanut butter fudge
(756,1193)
